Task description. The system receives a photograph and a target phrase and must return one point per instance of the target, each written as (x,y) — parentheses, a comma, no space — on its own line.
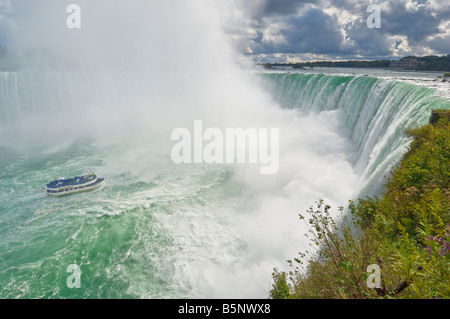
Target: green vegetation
(344,64)
(434,63)
(406,232)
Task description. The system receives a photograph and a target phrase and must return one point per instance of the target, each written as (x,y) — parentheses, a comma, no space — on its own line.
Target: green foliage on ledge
(406,232)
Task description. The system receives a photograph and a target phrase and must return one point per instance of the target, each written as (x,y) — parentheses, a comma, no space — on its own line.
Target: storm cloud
(281,29)
(290,30)
(312,31)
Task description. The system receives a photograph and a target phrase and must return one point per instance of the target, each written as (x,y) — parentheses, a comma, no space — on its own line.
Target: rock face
(436,115)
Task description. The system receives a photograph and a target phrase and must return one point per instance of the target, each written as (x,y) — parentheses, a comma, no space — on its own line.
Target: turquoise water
(373,111)
(161,230)
(126,237)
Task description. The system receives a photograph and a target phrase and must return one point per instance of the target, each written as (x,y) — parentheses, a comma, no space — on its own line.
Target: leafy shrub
(405,232)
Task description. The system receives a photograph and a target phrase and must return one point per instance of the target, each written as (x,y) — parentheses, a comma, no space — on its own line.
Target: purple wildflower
(445,249)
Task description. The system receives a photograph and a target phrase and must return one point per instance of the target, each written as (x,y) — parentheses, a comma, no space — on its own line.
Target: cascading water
(162,230)
(374,112)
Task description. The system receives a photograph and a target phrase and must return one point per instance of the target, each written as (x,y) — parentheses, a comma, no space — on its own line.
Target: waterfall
(373,112)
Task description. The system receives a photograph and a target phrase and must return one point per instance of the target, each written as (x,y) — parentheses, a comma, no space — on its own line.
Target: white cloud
(408,27)
(320,27)
(6,7)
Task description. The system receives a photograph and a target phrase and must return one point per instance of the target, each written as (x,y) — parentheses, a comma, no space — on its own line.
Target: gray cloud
(416,25)
(338,28)
(313,32)
(283,7)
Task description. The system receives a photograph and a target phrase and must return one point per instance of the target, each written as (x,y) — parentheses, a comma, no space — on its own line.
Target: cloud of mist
(153,65)
(140,67)
(281,30)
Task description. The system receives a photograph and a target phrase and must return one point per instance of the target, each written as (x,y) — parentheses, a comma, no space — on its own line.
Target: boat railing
(78,180)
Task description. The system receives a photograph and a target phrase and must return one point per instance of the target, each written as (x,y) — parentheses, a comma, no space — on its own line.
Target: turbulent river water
(163,230)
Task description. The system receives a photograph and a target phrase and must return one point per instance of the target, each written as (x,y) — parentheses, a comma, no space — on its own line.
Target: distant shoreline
(410,63)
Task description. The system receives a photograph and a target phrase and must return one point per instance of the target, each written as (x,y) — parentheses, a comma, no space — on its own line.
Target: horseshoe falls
(162,230)
(93,102)
(374,112)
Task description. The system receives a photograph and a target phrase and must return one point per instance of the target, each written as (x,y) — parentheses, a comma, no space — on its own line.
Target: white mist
(135,71)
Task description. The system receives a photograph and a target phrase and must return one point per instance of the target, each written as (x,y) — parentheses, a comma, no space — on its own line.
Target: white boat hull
(65,191)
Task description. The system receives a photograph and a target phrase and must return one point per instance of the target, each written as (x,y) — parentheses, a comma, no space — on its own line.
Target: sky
(302,30)
(305,30)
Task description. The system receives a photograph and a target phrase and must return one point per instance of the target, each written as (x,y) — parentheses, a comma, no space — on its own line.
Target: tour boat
(78,184)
